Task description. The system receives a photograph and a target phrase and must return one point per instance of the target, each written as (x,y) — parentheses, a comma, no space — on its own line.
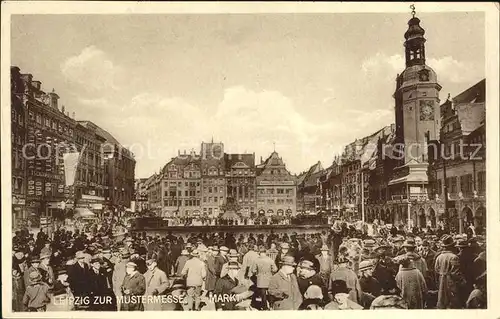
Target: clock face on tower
(426,110)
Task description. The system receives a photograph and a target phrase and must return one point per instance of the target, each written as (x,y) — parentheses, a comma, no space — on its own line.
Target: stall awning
(83,212)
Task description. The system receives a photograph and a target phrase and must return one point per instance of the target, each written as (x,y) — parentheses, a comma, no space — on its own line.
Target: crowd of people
(345,268)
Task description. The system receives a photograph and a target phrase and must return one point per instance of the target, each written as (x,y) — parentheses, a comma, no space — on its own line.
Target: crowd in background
(348,267)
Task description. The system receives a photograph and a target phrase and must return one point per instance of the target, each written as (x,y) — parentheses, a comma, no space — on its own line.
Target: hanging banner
(70,166)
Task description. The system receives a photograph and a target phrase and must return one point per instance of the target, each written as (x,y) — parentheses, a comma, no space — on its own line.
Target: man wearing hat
(389,302)
(46,270)
(370,286)
(181,261)
(212,270)
(307,275)
(263,268)
(325,264)
(99,289)
(284,290)
(447,269)
(78,277)
(156,283)
(417,261)
(195,273)
(232,256)
(35,264)
(119,274)
(284,251)
(132,288)
(343,272)
(225,285)
(61,293)
(249,260)
(176,294)
(36,297)
(341,297)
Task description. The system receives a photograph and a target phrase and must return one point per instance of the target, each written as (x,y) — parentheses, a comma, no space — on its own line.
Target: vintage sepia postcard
(249,156)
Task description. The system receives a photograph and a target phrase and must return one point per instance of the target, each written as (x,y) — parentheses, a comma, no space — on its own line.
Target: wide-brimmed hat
(80,255)
(285,246)
(306,264)
(289,261)
(233,265)
(447,241)
(233,253)
(462,243)
(339,286)
(202,249)
(95,260)
(314,292)
(178,284)
(398,239)
(184,252)
(35,276)
(324,248)
(131,264)
(195,253)
(223,248)
(410,243)
(369,243)
(365,265)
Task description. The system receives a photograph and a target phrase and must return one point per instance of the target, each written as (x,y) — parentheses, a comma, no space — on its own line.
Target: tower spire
(413,12)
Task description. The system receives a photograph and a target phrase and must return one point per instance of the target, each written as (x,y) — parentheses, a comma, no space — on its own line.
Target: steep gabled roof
(474,94)
(232,159)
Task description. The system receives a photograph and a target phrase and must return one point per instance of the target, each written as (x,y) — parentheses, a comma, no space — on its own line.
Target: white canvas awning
(83,212)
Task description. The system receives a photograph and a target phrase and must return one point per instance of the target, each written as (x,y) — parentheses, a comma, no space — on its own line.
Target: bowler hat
(410,243)
(365,265)
(223,248)
(233,253)
(306,264)
(339,286)
(131,264)
(178,284)
(233,265)
(289,261)
(95,260)
(35,276)
(447,241)
(462,243)
(369,243)
(80,255)
(195,253)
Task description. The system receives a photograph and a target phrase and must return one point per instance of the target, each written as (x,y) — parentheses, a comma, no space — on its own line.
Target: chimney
(62,109)
(261,161)
(53,97)
(239,157)
(73,115)
(178,152)
(393,127)
(184,152)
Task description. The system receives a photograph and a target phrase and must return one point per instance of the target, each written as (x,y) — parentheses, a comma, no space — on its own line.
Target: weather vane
(412,7)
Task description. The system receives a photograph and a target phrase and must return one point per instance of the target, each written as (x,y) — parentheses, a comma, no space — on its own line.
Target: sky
(305,85)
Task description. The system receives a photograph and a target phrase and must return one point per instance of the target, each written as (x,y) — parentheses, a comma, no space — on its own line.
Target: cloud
(245,120)
(448,69)
(92,70)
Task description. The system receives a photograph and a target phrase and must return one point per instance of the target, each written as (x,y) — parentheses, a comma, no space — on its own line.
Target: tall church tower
(416,97)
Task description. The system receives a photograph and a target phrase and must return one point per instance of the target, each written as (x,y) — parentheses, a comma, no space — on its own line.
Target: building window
(481,182)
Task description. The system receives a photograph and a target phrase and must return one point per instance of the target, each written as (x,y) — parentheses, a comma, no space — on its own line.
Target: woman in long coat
(412,284)
(447,270)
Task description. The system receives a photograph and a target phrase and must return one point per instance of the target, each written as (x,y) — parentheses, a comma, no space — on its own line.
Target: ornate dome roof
(417,74)
(414,29)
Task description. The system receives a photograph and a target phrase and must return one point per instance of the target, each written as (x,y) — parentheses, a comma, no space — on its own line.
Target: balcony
(404,198)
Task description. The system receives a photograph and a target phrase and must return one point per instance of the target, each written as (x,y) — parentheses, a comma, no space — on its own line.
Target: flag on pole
(70,166)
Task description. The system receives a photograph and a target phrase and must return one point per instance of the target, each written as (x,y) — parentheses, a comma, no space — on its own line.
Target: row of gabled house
(454,194)
(212,184)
